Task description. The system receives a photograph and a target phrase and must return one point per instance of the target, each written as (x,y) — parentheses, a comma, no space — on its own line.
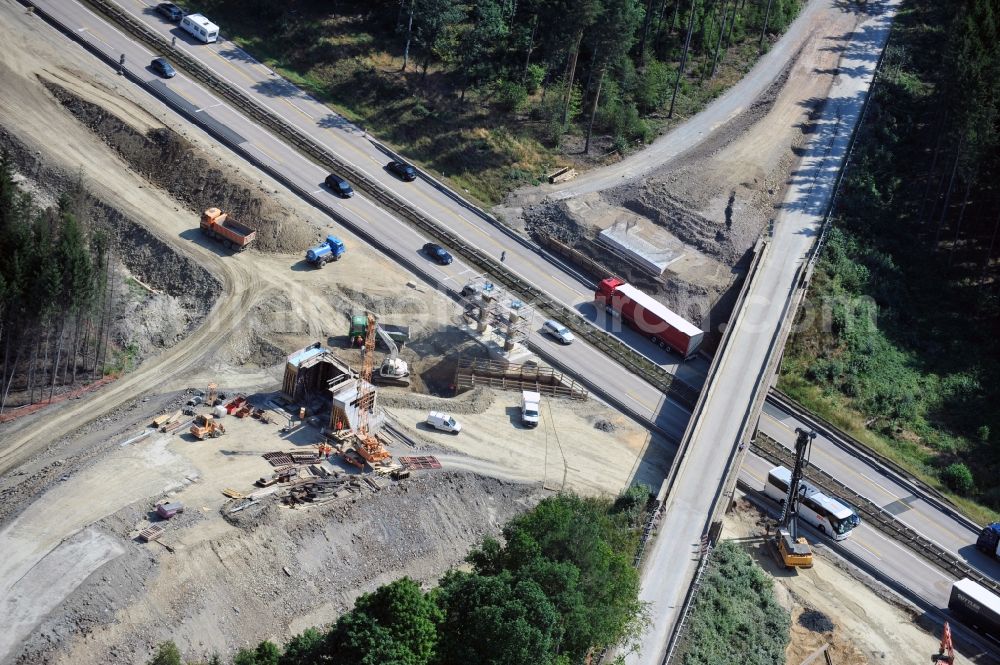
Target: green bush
(735,618)
(958,478)
(654,86)
(510,97)
(533,79)
(166,654)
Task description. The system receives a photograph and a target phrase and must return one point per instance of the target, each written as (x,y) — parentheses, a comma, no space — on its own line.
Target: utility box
(168,510)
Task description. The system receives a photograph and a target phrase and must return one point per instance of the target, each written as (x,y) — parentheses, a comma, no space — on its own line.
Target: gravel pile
(476,400)
(816,621)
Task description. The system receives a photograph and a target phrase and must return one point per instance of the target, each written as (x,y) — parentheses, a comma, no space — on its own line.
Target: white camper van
(200,28)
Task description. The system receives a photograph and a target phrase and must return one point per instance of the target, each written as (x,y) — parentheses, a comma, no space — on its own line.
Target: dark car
(170,11)
(403,170)
(339,186)
(438,253)
(163,68)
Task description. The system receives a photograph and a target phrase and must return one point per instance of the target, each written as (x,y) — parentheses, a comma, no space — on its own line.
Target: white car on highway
(559,331)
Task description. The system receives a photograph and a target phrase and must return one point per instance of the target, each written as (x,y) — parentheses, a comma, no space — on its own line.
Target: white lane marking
(877,484)
(317,191)
(208,107)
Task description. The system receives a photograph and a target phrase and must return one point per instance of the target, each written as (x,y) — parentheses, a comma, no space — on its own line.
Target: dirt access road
(30,113)
(818,19)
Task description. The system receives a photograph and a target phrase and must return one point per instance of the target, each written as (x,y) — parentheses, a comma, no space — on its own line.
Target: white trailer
(199,27)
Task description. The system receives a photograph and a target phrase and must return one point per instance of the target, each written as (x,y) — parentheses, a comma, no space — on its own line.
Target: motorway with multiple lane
(795,233)
(349,143)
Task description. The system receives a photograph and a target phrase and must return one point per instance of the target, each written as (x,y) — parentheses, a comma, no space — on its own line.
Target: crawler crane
(794,549)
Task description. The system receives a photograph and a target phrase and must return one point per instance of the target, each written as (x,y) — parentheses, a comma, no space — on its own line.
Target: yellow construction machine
(793,549)
(206,426)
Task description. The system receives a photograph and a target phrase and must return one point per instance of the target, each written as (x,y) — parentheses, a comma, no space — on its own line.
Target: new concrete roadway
(672,559)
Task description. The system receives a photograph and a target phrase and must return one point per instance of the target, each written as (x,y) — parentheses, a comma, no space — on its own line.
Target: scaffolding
(498,314)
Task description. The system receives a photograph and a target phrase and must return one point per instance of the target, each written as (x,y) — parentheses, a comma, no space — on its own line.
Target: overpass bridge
(725,417)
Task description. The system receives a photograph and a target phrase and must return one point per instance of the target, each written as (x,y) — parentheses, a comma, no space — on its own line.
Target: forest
(906,355)
(493,93)
(54,294)
(560,587)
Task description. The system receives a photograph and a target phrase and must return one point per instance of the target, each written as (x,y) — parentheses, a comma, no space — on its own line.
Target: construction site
(291,438)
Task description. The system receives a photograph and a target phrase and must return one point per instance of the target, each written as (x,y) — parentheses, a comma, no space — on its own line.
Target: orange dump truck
(219,225)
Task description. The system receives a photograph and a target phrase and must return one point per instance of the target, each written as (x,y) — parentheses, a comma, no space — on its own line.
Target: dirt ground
(584,447)
(714,201)
(830,604)
(267,572)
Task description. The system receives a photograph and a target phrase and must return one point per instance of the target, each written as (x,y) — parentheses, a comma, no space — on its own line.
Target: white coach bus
(827,514)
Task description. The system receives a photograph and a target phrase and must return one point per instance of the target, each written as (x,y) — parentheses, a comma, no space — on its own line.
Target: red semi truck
(218,225)
(649,316)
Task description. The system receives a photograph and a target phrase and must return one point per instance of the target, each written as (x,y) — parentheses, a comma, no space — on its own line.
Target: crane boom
(789,515)
(369,446)
(795,551)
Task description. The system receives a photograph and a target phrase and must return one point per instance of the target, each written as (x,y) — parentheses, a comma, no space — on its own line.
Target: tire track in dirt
(240,289)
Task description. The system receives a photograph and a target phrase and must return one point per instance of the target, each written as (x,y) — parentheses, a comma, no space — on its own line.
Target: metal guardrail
(875,515)
(874,459)
(625,355)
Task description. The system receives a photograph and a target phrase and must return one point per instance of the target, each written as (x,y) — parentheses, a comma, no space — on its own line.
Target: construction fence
(472,372)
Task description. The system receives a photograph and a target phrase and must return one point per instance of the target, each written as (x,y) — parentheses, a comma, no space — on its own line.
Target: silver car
(559,331)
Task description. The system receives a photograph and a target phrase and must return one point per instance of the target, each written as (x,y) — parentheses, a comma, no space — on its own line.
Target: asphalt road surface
(351,144)
(671,561)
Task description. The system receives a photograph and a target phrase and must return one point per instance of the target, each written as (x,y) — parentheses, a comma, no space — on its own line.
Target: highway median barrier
(875,515)
(623,354)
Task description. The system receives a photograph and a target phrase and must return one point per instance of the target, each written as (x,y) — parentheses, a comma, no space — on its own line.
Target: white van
(200,28)
(444,422)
